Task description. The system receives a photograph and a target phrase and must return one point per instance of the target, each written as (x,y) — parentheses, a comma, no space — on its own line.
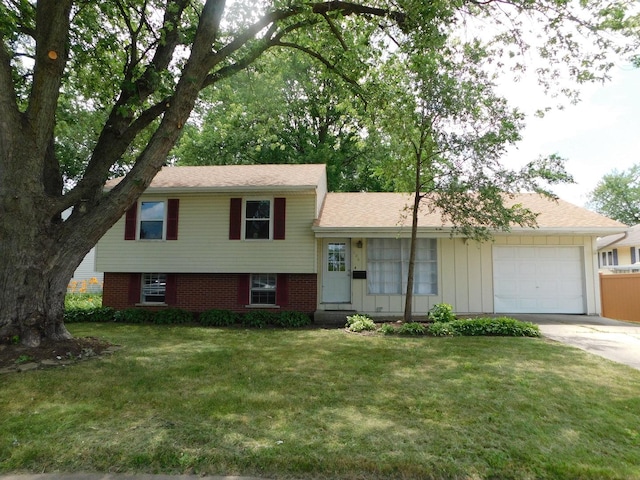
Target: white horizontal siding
(203,244)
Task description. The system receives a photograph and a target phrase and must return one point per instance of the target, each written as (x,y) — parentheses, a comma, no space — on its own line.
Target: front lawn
(324,404)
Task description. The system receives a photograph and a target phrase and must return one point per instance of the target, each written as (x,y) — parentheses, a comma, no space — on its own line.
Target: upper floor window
(257,225)
(152,220)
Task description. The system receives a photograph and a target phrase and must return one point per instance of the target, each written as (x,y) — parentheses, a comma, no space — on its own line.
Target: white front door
(336,275)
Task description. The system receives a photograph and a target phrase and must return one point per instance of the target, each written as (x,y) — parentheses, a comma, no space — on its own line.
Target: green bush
(133,315)
(388,329)
(502,326)
(359,323)
(412,328)
(259,318)
(172,316)
(441,312)
(85,301)
(440,329)
(292,320)
(95,314)
(218,318)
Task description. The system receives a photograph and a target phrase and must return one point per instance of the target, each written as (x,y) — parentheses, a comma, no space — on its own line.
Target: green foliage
(440,329)
(133,315)
(441,312)
(172,316)
(82,300)
(218,318)
(617,196)
(95,314)
(412,328)
(502,326)
(360,323)
(290,319)
(259,318)
(388,329)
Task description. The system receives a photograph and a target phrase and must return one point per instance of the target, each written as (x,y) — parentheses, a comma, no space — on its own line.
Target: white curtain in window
(388,266)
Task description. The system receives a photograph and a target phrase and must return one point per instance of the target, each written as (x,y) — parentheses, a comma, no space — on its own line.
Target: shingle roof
(390,210)
(630,238)
(229,177)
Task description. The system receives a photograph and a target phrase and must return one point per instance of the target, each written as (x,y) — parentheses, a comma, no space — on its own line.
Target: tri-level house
(271,236)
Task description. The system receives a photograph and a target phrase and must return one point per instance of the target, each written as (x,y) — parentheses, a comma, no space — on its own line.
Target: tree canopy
(617,196)
(92,89)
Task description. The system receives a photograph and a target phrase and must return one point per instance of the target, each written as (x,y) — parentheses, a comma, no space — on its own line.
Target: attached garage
(539,279)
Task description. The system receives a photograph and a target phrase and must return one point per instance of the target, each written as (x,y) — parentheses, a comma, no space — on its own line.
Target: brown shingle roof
(390,210)
(229,177)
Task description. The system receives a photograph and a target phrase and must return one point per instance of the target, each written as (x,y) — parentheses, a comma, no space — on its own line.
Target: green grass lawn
(324,404)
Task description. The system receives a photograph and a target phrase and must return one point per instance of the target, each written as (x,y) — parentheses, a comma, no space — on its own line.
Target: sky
(596,136)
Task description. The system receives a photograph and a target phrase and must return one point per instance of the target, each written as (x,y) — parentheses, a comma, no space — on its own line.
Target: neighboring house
(271,236)
(85,278)
(620,252)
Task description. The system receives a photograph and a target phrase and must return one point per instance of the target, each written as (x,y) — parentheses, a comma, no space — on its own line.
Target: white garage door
(538,280)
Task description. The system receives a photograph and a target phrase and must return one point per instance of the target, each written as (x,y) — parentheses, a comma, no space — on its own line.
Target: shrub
(359,323)
(412,328)
(440,329)
(85,301)
(133,315)
(441,312)
(259,318)
(292,320)
(502,326)
(218,318)
(96,314)
(388,329)
(172,316)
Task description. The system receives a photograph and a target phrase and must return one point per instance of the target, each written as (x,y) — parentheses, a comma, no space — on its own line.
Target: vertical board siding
(619,294)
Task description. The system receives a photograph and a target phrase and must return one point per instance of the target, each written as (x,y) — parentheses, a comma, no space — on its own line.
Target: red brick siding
(197,292)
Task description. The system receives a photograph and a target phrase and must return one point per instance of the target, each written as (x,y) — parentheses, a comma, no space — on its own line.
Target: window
(336,257)
(154,287)
(151,220)
(388,265)
(257,224)
(263,289)
(608,258)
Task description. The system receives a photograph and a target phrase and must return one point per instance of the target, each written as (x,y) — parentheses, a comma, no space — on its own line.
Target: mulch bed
(51,354)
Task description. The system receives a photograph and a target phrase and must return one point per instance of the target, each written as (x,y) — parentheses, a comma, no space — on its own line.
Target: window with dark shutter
(130,222)
(173,205)
(235,219)
(135,284)
(243,289)
(282,292)
(279,218)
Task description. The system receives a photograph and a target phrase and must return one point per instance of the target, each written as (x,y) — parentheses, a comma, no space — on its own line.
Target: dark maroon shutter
(243,289)
(173,205)
(282,290)
(279,215)
(235,219)
(135,284)
(171,289)
(130,222)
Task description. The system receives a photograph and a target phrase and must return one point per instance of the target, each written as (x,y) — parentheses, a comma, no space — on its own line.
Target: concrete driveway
(612,339)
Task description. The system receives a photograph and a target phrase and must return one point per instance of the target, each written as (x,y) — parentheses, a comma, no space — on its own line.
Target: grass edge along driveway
(324,404)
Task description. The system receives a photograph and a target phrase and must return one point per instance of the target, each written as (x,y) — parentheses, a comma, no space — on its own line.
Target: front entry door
(336,284)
